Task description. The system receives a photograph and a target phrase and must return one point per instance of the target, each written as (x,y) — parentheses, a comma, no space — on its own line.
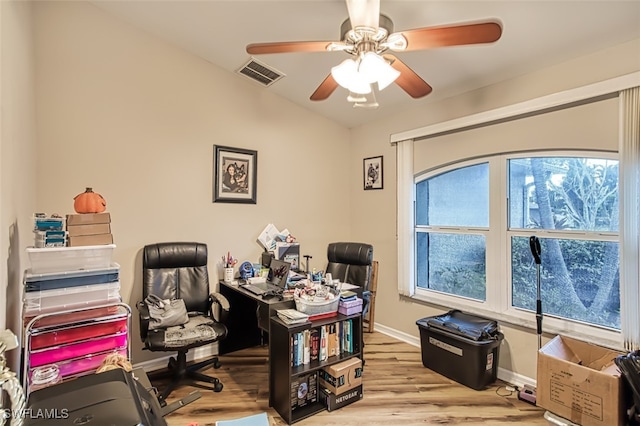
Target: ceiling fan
(368,36)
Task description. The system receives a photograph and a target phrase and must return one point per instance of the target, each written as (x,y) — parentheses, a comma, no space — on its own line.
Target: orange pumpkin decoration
(89,202)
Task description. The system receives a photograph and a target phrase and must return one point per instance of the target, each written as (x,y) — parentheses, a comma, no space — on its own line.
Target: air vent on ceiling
(260,72)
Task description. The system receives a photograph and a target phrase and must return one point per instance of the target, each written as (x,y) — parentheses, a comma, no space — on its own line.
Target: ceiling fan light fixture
(346,75)
(375,69)
(345,72)
(356,97)
(369,101)
(364,13)
(396,42)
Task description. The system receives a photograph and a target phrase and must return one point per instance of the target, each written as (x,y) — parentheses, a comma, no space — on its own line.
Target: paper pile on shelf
(292,316)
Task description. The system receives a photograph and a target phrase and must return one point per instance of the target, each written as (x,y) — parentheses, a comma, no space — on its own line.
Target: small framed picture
(372,171)
(235,175)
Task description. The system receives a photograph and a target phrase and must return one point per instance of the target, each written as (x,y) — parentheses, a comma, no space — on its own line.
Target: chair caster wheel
(216,365)
(218,387)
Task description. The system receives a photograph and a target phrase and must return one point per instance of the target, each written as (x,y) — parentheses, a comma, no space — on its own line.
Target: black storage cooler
(462,347)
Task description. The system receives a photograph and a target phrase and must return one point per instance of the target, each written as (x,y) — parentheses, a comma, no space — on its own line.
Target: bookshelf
(293,386)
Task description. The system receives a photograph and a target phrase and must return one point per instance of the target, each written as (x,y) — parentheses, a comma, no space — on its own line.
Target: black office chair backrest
(177,271)
(350,263)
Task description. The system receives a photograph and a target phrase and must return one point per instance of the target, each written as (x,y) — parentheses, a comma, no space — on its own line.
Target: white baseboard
(212,350)
(502,373)
(195,354)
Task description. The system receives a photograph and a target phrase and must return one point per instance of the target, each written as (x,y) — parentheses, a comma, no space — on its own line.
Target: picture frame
(372,171)
(235,175)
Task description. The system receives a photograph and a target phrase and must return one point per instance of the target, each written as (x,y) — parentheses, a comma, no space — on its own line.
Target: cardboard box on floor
(580,382)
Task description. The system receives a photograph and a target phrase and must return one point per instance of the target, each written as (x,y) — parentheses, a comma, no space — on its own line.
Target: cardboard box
(333,401)
(88,218)
(580,382)
(350,307)
(90,240)
(343,376)
(89,229)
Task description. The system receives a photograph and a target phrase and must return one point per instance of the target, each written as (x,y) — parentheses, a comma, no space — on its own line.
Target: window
(572,204)
(472,227)
(452,218)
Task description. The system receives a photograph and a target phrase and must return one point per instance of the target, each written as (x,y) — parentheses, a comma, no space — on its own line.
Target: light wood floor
(398,390)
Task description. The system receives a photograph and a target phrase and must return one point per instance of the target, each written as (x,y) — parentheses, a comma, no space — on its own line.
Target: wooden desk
(248,319)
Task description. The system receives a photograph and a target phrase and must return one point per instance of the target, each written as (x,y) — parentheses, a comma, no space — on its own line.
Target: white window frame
(406,205)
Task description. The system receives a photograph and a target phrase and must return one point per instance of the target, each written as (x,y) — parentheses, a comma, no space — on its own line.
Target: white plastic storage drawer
(59,259)
(62,299)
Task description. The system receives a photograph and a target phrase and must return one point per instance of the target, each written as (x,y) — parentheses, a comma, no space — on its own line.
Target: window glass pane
(452,263)
(456,198)
(563,193)
(579,279)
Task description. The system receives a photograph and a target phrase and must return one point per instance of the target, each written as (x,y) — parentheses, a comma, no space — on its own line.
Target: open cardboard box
(580,382)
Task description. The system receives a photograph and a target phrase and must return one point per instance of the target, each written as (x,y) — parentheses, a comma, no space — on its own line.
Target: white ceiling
(536,34)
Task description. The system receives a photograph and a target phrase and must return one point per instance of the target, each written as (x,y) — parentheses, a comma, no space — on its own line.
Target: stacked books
(319,343)
(292,316)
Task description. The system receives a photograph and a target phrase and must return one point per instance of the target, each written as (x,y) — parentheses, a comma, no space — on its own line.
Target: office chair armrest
(144,319)
(220,300)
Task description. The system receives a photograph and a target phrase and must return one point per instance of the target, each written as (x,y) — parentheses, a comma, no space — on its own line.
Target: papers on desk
(347,286)
(292,316)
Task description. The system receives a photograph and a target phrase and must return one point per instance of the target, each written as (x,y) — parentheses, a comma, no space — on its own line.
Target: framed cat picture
(235,175)
(372,173)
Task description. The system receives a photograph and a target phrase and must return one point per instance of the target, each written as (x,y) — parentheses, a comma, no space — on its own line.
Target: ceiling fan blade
(326,88)
(431,37)
(364,13)
(408,80)
(287,46)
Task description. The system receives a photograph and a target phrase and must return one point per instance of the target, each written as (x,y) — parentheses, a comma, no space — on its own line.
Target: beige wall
(17,157)
(519,350)
(136,119)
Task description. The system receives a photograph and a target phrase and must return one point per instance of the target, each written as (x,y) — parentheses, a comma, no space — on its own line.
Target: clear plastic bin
(47,301)
(54,280)
(59,259)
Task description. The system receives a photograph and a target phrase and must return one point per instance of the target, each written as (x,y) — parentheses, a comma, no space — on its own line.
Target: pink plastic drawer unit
(78,333)
(62,299)
(83,365)
(73,317)
(75,350)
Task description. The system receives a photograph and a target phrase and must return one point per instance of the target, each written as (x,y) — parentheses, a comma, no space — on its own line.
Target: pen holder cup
(228,275)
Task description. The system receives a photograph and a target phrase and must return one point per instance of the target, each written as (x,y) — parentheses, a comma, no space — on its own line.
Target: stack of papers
(291,316)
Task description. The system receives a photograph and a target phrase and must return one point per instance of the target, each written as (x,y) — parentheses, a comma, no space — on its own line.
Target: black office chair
(178,270)
(351,263)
